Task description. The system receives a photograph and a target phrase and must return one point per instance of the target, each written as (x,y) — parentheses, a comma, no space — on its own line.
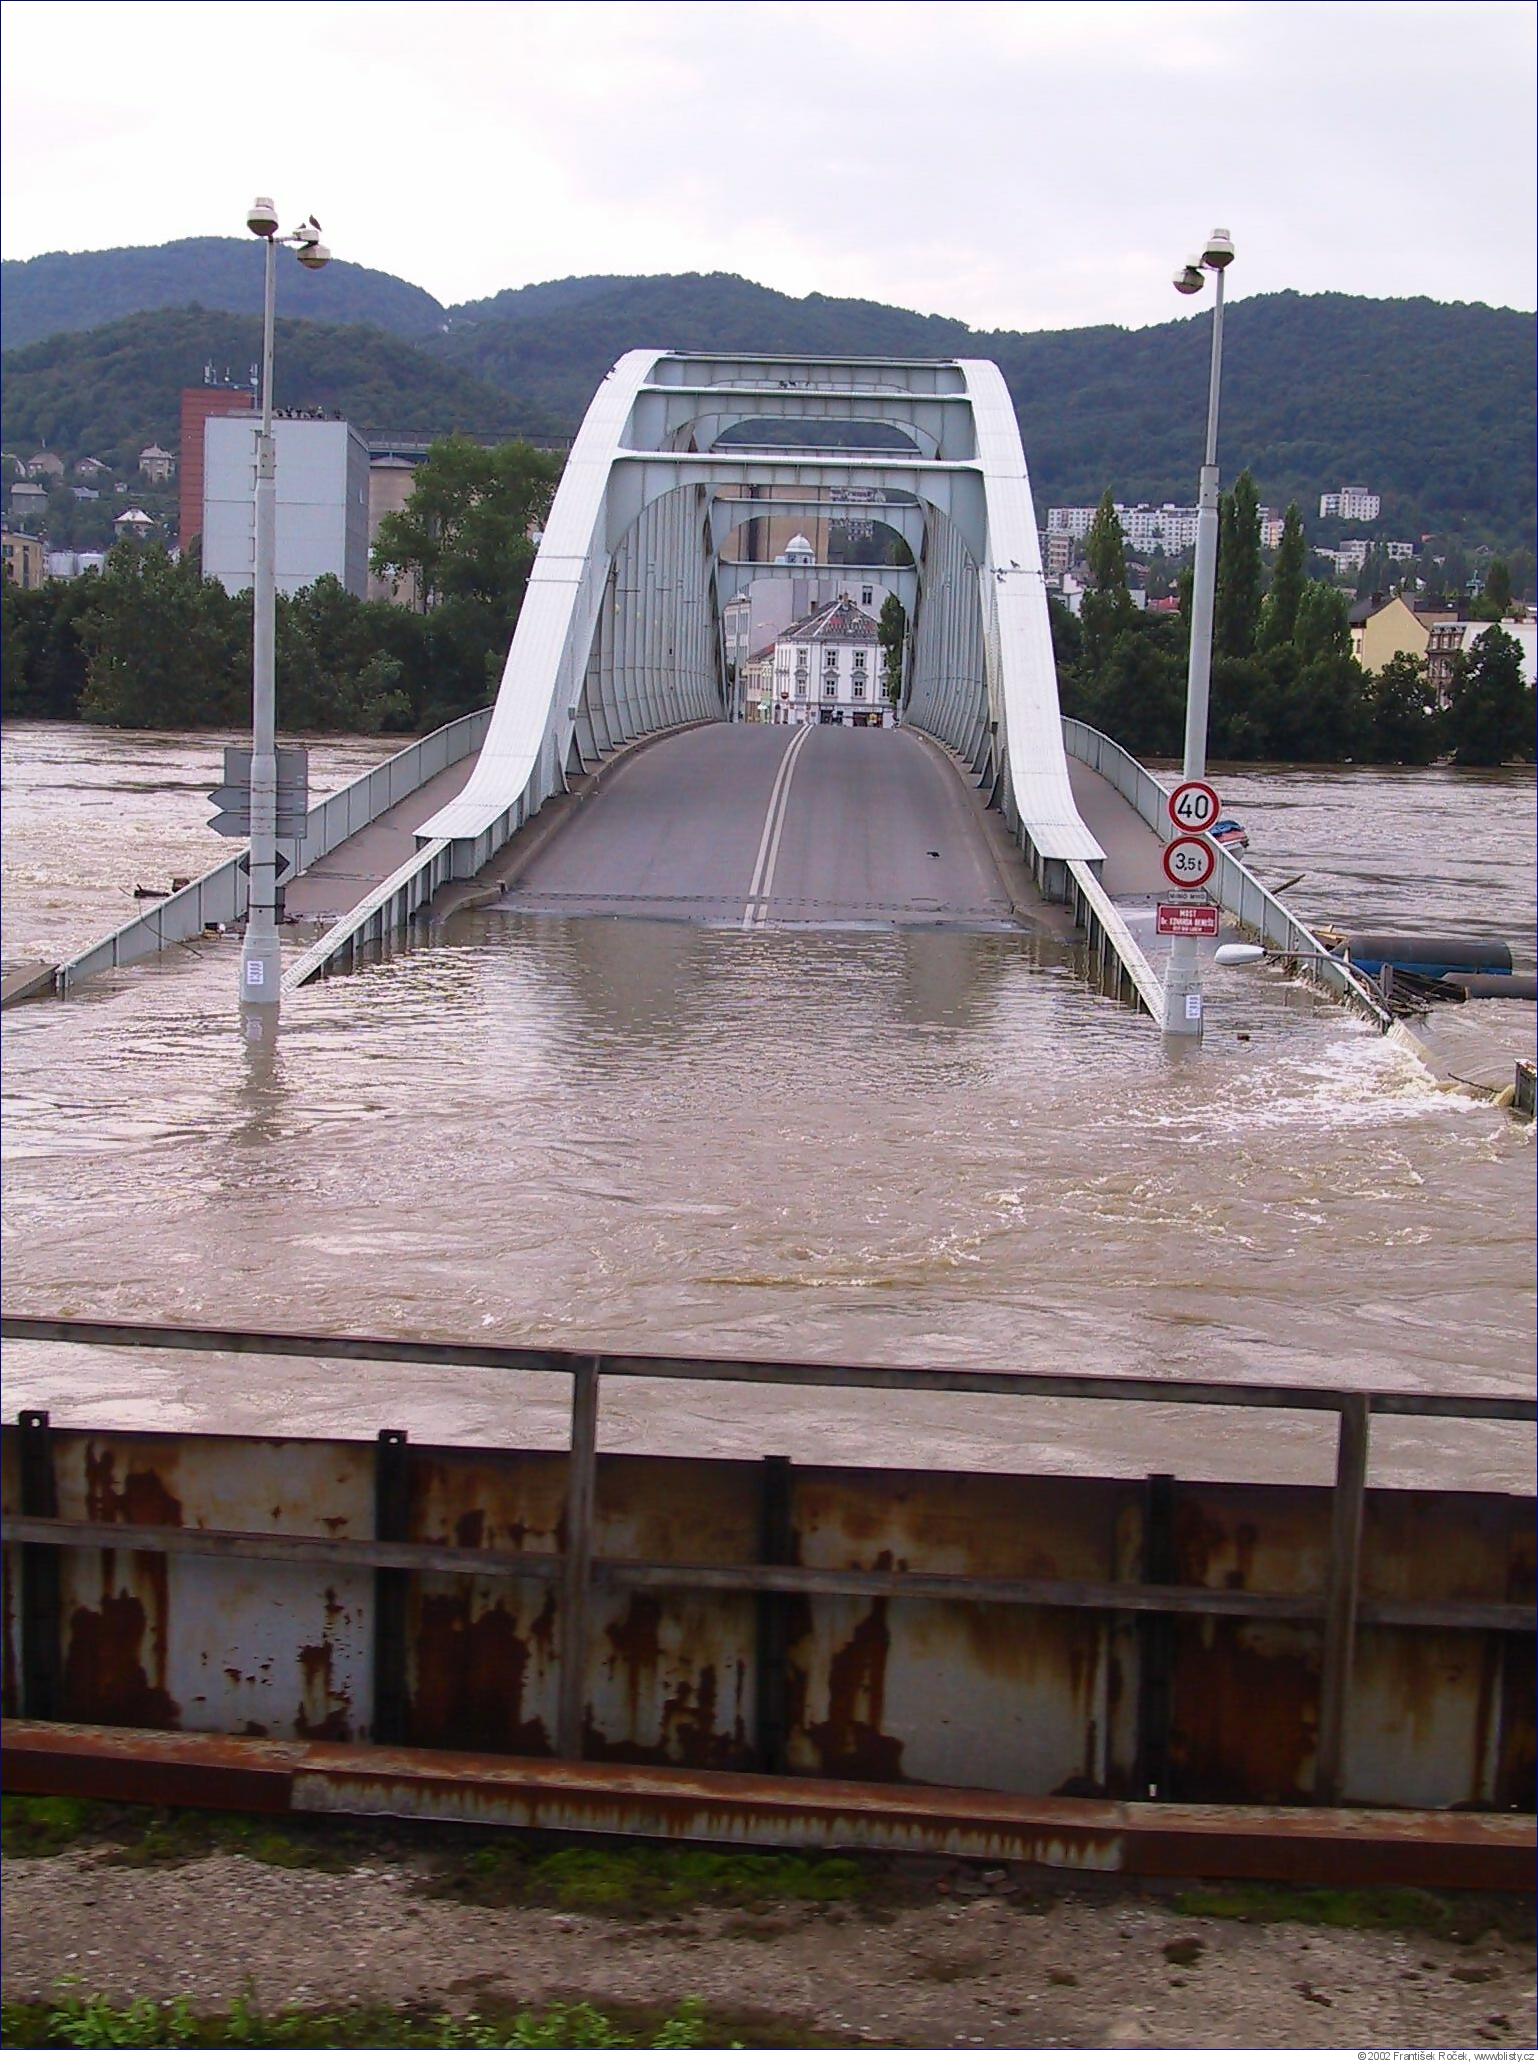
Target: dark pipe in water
(1432,954)
(1497,986)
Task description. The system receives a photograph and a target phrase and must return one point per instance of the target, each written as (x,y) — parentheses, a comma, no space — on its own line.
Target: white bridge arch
(620,632)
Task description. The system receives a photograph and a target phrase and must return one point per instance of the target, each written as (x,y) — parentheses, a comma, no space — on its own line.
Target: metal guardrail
(1241,894)
(218,897)
(381,914)
(1338,1607)
(1121,964)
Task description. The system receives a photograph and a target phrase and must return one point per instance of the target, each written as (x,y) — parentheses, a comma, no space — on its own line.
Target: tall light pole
(261,964)
(1183,988)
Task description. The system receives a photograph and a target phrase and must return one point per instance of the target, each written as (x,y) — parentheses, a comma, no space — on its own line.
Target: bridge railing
(218,897)
(1241,894)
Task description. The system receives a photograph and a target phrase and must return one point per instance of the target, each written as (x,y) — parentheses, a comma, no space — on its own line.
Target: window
(865,596)
(801,688)
(859,663)
(859,687)
(800,656)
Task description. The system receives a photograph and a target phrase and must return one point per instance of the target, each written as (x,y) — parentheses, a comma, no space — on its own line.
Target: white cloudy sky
(1025,163)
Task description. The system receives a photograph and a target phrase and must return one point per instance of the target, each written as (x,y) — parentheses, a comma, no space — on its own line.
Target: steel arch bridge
(620,630)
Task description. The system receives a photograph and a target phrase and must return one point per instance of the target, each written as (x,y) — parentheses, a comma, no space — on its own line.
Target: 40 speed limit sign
(1189,861)
(1194,806)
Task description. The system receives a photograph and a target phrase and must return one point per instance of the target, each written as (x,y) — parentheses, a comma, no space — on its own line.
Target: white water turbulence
(923,1146)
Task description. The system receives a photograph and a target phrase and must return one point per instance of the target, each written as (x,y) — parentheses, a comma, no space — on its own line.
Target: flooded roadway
(924,1145)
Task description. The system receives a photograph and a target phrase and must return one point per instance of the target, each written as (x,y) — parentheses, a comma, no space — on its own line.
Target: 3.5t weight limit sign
(1194,807)
(1189,861)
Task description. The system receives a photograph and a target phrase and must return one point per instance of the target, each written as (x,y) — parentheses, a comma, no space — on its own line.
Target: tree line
(150,642)
(1285,684)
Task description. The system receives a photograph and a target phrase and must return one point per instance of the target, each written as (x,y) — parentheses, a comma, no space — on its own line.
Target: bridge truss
(620,631)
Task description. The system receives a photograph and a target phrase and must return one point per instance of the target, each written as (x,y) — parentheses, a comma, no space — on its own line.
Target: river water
(910,1146)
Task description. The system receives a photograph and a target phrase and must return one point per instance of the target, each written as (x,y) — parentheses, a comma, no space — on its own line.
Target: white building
(827,670)
(792,589)
(1399,548)
(1171,528)
(1358,504)
(323,502)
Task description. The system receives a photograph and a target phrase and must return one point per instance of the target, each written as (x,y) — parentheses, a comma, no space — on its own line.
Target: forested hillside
(109,391)
(81,290)
(1430,404)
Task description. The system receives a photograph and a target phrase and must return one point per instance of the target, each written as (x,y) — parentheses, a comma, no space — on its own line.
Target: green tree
(464,533)
(1279,615)
(162,644)
(1322,629)
(1490,706)
(1494,600)
(1139,696)
(1107,607)
(42,659)
(1236,615)
(1403,727)
(893,633)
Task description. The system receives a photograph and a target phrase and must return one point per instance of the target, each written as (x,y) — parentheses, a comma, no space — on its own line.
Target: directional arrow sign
(287,867)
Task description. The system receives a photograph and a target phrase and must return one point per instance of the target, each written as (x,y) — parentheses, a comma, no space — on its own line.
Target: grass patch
(1459,1918)
(643,1880)
(94,2024)
(40,1826)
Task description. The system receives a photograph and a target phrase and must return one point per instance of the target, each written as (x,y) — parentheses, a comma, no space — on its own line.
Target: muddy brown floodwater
(913,1146)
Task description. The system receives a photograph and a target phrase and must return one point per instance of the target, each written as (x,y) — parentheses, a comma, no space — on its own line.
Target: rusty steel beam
(757,1371)
(1342,1588)
(576,1567)
(1117,1595)
(1361,1847)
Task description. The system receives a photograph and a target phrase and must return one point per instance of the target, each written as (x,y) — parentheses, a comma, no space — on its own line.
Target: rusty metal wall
(721,1671)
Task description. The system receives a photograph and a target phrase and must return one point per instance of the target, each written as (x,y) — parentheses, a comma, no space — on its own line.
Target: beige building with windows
(26,560)
(1381,629)
(827,670)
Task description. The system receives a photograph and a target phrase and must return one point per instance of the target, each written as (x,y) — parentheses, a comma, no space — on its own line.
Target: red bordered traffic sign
(1194,806)
(1189,861)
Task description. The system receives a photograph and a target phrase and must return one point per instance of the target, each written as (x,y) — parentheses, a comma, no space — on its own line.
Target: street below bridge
(757,825)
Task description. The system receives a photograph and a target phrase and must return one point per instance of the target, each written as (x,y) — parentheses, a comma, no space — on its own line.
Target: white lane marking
(774,825)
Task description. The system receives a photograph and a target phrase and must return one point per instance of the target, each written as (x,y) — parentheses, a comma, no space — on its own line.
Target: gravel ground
(996,1968)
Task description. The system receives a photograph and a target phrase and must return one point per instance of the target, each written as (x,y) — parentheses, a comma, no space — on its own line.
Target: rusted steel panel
(1008,1697)
(876,1688)
(195,1644)
(1309,1845)
(672,1674)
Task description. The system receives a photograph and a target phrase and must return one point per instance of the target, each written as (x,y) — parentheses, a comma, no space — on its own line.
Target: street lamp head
(1219,252)
(262,217)
(1189,279)
(313,255)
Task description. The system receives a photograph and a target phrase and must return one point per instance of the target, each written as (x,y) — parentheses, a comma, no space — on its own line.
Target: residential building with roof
(25,559)
(1460,635)
(1353,504)
(827,670)
(156,464)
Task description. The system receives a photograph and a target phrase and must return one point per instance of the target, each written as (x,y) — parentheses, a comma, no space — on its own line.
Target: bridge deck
(752,825)
(334,884)
(1132,850)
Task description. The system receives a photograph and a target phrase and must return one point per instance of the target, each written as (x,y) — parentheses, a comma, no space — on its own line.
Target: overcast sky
(1018,164)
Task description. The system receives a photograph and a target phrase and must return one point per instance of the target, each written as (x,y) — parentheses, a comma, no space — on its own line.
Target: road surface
(755,825)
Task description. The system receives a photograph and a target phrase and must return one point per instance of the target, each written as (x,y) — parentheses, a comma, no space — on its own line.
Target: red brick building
(198,405)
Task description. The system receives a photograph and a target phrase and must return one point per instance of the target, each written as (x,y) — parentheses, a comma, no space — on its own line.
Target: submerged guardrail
(1096,1640)
(218,897)
(1240,893)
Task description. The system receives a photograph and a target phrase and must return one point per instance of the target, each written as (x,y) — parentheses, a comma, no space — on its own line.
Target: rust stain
(850,1741)
(143,1498)
(105,1680)
(12,1668)
(320,1699)
(470,1529)
(470,1686)
(1244,1715)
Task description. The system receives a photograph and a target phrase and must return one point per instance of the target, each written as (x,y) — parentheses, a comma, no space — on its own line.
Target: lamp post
(1182,988)
(261,966)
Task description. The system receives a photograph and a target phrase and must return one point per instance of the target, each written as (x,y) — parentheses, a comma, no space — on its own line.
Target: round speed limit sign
(1194,806)
(1189,861)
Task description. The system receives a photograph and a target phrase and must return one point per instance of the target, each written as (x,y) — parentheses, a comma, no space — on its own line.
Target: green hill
(81,290)
(1432,404)
(108,392)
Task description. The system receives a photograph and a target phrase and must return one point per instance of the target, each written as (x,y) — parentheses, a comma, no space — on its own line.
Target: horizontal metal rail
(1121,963)
(503,1356)
(851,1582)
(218,897)
(1241,894)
